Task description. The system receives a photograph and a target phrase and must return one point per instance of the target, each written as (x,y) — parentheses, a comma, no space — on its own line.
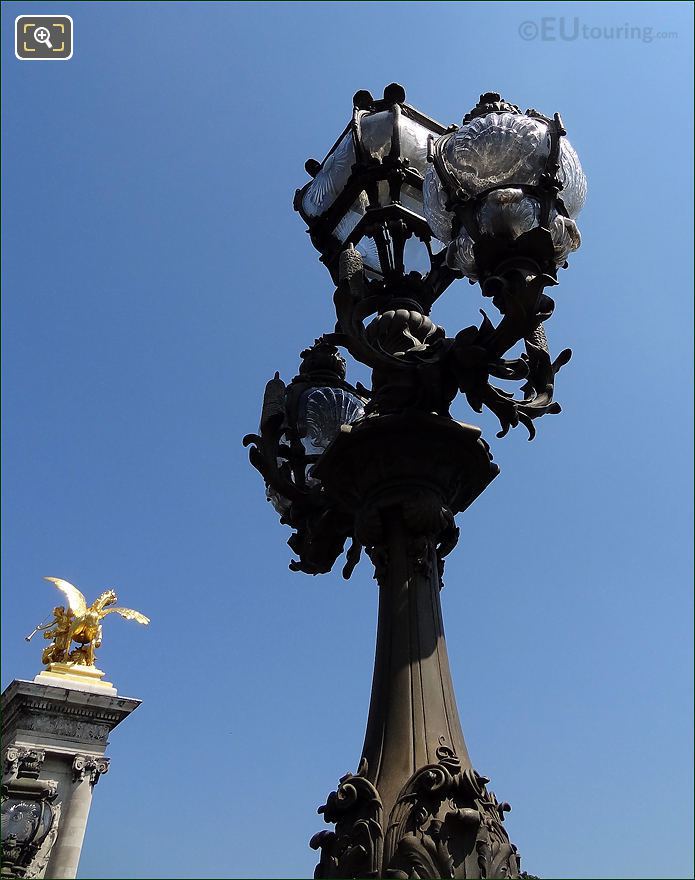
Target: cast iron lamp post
(399,208)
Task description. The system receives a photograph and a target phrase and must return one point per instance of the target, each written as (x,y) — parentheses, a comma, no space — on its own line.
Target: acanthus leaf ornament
(444,824)
(426,373)
(354,849)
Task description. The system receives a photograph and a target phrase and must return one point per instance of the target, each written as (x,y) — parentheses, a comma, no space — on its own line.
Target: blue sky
(155,276)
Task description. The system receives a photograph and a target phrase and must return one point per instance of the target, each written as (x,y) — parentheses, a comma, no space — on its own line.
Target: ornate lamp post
(399,208)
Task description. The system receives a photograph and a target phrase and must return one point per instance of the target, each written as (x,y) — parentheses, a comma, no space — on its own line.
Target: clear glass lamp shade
(376,130)
(370,257)
(414,138)
(508,212)
(353,216)
(376,170)
(376,135)
(496,149)
(416,256)
(322,412)
(492,151)
(332,177)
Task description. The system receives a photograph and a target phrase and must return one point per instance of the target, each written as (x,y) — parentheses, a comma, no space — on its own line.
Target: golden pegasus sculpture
(79,623)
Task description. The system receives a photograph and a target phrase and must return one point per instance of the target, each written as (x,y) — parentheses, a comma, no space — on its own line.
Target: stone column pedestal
(53,742)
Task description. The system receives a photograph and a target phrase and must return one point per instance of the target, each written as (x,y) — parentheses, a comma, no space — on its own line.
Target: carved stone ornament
(38,865)
(29,818)
(90,766)
(73,728)
(444,824)
(23,763)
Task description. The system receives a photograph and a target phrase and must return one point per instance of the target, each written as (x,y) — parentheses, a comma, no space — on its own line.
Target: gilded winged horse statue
(79,623)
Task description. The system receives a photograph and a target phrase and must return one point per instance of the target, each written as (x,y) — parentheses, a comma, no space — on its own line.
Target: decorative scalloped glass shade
(322,411)
(331,179)
(508,212)
(504,150)
(496,149)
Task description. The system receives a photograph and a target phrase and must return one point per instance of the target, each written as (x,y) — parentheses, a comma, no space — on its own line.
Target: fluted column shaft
(65,856)
(413,708)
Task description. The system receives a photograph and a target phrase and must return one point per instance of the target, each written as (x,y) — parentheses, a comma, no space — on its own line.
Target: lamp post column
(416,806)
(413,712)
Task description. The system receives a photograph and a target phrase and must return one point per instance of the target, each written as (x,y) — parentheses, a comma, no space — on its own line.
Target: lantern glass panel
(377,132)
(412,199)
(350,219)
(414,139)
(440,220)
(331,178)
(370,257)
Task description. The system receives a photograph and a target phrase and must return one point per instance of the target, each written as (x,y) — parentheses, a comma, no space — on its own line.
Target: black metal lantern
(368,192)
(502,187)
(298,422)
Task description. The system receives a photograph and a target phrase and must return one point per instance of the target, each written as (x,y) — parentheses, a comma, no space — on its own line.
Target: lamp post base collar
(445,823)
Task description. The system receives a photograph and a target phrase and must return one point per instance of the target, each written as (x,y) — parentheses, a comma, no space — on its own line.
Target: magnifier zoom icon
(43,35)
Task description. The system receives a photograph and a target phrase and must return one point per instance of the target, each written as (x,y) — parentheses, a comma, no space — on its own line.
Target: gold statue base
(75,676)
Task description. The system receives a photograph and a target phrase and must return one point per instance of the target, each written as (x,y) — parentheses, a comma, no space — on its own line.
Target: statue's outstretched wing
(128,613)
(76,601)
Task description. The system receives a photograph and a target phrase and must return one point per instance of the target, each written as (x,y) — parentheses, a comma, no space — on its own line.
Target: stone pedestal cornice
(46,714)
